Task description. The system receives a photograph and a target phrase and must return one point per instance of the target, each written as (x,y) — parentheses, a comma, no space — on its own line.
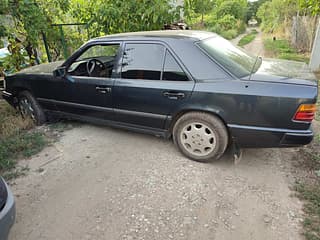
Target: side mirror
(60,72)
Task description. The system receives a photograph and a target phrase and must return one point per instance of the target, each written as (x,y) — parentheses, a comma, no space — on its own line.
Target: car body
(146,81)
(7,210)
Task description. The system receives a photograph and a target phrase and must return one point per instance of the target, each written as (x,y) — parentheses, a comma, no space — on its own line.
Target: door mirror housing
(60,72)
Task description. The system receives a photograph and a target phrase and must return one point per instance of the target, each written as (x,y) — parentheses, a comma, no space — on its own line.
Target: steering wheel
(92,64)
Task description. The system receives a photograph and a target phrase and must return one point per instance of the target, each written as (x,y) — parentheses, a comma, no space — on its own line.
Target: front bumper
(7,216)
(8,97)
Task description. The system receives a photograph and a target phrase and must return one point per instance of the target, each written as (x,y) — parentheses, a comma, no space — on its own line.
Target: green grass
(308,188)
(22,144)
(16,140)
(281,49)
(310,194)
(248,38)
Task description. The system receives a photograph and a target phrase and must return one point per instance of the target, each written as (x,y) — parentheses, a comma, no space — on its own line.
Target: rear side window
(142,61)
(172,70)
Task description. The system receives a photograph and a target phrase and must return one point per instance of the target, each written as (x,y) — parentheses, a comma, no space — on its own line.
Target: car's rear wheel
(200,136)
(30,108)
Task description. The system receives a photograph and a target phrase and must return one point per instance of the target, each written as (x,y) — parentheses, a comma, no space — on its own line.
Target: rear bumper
(7,216)
(256,137)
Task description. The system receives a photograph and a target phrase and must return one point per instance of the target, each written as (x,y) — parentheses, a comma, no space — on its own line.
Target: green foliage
(16,60)
(247,38)
(310,6)
(227,22)
(276,12)
(226,18)
(229,34)
(253,9)
(281,49)
(107,17)
(33,21)
(233,8)
(198,7)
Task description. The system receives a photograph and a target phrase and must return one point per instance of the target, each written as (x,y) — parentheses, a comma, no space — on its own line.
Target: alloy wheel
(198,139)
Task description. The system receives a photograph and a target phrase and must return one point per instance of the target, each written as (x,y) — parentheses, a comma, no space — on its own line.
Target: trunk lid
(284,71)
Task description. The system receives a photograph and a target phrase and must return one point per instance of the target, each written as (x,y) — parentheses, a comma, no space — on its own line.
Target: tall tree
(201,7)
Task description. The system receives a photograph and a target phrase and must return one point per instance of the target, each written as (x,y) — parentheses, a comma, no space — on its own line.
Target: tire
(200,136)
(29,107)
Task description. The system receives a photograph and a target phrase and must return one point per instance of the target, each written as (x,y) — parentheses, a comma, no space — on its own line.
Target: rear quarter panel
(254,104)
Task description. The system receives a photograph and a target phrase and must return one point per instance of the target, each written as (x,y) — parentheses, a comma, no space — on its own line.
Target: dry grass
(11,121)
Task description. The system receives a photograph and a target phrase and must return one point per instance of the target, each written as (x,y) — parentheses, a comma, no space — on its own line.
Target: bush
(227,22)
(229,34)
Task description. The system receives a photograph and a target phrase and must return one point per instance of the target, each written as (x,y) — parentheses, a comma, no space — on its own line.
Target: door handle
(103,89)
(174,95)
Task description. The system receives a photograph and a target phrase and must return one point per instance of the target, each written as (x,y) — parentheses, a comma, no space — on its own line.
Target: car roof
(164,34)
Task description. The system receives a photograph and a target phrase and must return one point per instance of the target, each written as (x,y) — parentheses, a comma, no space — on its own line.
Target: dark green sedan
(193,86)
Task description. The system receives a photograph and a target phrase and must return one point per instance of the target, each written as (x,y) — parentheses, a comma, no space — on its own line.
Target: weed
(311,195)
(60,126)
(11,121)
(22,144)
(247,38)
(281,49)
(16,141)
(16,172)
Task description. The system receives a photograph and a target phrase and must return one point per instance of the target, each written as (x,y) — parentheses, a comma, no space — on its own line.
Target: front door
(89,82)
(152,85)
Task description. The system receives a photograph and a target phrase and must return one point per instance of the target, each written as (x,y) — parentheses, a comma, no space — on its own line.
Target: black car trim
(140,114)
(269,129)
(79,105)
(128,126)
(121,111)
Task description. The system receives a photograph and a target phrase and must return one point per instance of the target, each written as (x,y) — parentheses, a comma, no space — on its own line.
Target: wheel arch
(213,112)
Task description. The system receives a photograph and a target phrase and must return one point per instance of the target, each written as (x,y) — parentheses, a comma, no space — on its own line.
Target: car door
(152,85)
(89,82)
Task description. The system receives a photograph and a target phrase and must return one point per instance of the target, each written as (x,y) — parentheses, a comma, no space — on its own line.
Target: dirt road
(103,183)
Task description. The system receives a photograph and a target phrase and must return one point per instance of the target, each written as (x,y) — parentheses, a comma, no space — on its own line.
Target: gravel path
(103,183)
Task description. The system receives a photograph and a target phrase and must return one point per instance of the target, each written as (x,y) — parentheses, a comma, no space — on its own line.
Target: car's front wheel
(29,107)
(200,136)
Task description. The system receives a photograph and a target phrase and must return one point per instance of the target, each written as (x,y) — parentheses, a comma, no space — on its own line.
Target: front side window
(96,61)
(172,71)
(142,61)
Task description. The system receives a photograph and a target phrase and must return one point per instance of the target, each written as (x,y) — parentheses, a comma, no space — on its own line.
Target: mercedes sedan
(193,86)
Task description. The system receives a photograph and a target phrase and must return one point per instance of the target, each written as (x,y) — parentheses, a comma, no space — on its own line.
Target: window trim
(141,42)
(85,47)
(166,48)
(164,62)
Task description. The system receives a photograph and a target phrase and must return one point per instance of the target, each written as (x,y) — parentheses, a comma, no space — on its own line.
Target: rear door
(152,86)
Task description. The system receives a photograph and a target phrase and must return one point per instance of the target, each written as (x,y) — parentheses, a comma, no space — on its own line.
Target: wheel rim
(198,139)
(26,108)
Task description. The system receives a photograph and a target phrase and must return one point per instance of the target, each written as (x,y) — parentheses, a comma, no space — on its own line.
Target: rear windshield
(234,59)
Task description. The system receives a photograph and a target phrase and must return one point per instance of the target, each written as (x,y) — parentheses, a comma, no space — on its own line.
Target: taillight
(305,113)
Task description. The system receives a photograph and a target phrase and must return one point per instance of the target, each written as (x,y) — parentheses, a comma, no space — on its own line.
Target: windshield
(234,59)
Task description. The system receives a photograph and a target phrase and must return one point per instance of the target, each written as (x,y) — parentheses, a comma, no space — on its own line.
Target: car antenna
(255,62)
